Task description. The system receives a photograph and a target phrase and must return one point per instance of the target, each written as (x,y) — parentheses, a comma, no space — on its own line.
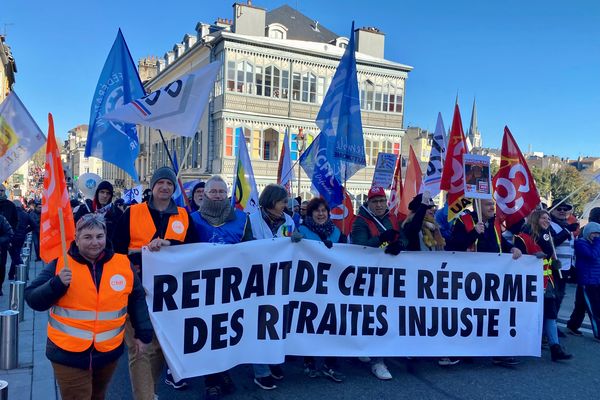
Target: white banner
(217,306)
(176,107)
(20,137)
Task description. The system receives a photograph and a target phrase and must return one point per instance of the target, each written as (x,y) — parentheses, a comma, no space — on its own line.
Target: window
(270,143)
(320,89)
(372,149)
(276,34)
(285,84)
(309,87)
(256,151)
(229,142)
(231,76)
(259,81)
(370,88)
(378,98)
(296,86)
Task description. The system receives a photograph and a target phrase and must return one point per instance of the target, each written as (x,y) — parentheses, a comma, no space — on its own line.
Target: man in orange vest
(155,224)
(89,295)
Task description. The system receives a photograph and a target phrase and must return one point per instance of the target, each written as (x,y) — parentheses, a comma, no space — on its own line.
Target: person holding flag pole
(88,291)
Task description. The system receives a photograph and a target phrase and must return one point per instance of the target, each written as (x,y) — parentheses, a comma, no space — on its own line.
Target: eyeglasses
(563,209)
(215,191)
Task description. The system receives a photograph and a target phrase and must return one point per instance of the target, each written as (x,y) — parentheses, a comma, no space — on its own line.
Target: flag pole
(573,193)
(187,152)
(63,240)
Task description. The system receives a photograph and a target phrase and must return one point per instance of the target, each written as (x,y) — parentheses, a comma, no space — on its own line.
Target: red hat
(376,191)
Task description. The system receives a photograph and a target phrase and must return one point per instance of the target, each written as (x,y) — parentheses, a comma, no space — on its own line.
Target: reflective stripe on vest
(89,314)
(83,334)
(531,247)
(142,229)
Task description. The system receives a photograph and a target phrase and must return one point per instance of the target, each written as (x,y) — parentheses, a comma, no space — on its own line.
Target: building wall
(267,87)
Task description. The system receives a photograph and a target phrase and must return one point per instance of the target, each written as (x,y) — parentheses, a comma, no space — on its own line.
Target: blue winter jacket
(587,261)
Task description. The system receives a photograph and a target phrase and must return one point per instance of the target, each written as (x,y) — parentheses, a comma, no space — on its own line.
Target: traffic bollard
(9,339)
(17,298)
(21,273)
(3,390)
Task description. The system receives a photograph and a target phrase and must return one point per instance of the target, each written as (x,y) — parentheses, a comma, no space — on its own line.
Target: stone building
(75,164)
(277,67)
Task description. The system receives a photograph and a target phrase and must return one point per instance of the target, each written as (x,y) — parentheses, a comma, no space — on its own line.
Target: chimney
(370,41)
(147,68)
(249,20)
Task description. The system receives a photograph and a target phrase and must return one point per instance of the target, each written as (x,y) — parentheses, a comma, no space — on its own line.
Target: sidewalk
(33,378)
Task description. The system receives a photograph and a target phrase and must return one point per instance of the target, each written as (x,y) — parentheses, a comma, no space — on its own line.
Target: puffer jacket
(587,261)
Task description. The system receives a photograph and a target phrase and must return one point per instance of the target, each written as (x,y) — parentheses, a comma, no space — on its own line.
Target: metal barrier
(21,273)
(17,298)
(9,339)
(3,390)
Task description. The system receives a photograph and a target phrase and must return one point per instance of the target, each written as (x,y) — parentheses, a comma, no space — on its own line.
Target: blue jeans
(551,331)
(261,370)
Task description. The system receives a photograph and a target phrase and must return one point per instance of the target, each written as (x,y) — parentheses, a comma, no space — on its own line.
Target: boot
(557,353)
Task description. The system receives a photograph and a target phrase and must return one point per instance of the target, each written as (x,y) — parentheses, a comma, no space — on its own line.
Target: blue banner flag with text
(339,115)
(113,141)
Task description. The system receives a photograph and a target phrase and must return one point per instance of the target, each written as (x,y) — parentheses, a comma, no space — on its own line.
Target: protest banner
(384,170)
(217,306)
(478,179)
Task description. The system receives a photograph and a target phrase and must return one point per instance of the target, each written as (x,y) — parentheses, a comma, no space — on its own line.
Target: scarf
(323,230)
(273,221)
(216,212)
(431,234)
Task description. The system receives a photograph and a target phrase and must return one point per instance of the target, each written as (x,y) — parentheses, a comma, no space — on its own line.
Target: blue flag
(119,83)
(339,116)
(319,164)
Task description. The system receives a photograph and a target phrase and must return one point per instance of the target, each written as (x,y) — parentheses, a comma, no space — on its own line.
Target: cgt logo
(509,198)
(117,282)
(177,227)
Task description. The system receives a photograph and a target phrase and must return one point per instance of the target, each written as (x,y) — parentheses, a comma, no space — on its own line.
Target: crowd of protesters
(110,235)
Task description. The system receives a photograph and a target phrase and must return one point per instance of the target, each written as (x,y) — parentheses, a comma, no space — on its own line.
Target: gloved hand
(540,254)
(388,235)
(555,264)
(296,237)
(394,248)
(573,227)
(328,243)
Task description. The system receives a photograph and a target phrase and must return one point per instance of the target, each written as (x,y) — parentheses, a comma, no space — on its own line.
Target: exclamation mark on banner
(513,319)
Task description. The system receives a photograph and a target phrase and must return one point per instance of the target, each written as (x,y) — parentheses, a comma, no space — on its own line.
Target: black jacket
(24,225)
(9,211)
(6,232)
(111,216)
(461,240)
(47,289)
(413,227)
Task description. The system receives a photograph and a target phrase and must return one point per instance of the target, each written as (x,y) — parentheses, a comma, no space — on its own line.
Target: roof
(310,47)
(300,27)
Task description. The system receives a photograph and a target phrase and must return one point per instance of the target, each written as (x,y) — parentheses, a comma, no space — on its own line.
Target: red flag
(412,183)
(55,197)
(514,188)
(343,215)
(396,192)
(453,174)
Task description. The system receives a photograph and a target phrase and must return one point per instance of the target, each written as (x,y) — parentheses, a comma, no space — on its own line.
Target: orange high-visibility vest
(86,315)
(142,229)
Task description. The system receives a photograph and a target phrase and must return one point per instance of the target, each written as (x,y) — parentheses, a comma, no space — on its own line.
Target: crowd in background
(110,234)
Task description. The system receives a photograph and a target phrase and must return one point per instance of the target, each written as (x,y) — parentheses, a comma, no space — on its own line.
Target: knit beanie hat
(595,214)
(163,173)
(105,185)
(591,227)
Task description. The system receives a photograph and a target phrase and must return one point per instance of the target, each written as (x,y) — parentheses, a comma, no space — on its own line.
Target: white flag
(134,193)
(176,107)
(433,176)
(20,137)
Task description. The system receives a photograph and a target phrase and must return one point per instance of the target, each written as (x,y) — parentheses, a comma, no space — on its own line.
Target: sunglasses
(563,209)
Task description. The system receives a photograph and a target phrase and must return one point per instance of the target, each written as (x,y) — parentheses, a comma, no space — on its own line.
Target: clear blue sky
(532,65)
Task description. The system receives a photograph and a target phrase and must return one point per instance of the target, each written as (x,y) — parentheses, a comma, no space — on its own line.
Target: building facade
(75,164)
(276,69)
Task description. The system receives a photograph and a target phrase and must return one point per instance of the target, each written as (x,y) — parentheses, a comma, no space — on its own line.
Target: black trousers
(578,314)
(3,258)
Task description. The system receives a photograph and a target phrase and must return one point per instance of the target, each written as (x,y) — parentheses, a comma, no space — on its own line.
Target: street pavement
(478,378)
